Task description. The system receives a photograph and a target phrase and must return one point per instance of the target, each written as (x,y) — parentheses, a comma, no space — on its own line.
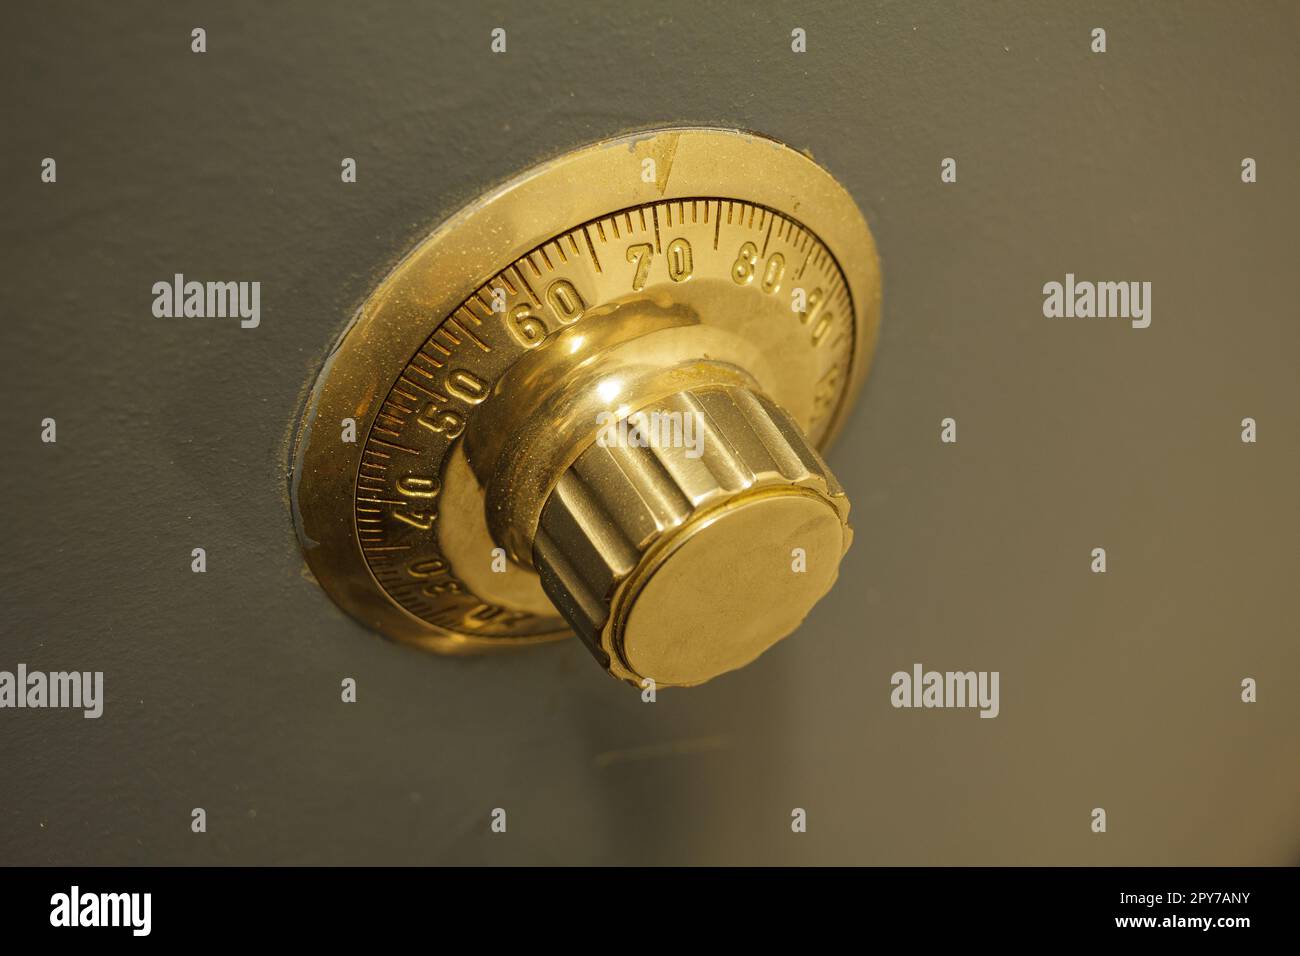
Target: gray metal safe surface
(1119,690)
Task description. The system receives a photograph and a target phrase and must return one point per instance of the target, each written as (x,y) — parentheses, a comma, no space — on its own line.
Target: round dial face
(751,257)
(756,273)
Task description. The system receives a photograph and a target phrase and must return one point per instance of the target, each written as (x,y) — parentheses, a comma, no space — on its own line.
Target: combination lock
(592,402)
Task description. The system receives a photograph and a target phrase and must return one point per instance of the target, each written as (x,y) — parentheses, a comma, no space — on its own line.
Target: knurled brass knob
(692,535)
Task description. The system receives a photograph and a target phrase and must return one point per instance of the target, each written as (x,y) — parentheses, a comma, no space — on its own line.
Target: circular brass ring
(435,279)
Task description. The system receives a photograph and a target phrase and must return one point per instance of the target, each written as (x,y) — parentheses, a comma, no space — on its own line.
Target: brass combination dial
(592,403)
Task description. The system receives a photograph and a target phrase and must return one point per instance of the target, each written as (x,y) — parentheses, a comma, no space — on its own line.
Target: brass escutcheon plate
(716,224)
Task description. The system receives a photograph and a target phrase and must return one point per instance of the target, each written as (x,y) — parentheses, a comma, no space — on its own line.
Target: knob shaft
(691,535)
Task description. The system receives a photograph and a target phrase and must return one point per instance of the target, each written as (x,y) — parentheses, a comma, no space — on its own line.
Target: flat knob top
(692,535)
